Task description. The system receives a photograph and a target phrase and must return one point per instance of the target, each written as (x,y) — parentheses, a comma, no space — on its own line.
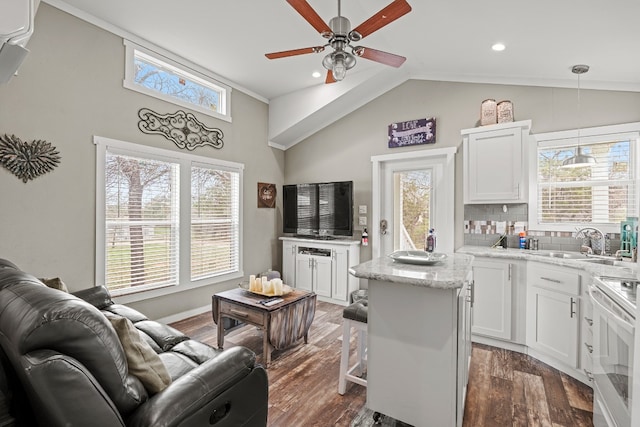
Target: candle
(252,282)
(277,287)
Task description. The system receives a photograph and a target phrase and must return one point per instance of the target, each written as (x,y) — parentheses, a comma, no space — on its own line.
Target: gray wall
(343,150)
(70,89)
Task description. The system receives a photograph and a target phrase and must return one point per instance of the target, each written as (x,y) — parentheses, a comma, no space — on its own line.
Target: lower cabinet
(465,306)
(553,312)
(321,267)
(492,299)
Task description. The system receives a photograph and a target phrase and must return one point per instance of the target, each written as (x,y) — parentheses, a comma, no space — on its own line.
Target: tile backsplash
(484,224)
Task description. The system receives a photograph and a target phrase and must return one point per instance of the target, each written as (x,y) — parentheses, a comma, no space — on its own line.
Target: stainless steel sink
(606,261)
(562,254)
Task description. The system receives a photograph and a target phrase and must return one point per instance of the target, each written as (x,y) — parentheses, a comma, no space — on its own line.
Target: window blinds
(142,218)
(215,224)
(604,193)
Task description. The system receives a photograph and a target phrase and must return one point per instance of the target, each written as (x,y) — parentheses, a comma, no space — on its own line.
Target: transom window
(166,220)
(155,75)
(602,194)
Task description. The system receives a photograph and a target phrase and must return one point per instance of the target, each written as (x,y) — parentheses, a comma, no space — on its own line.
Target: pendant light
(580,159)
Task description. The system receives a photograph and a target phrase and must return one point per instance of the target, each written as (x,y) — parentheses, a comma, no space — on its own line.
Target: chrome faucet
(580,233)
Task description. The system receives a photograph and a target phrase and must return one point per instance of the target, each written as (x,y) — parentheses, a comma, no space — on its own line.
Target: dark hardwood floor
(505,388)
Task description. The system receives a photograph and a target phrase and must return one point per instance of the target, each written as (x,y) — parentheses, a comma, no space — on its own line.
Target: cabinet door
(304,272)
(340,274)
(322,276)
(552,324)
(492,303)
(289,250)
(494,168)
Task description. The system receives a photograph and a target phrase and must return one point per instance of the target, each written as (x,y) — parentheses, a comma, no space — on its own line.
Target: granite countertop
(629,270)
(449,274)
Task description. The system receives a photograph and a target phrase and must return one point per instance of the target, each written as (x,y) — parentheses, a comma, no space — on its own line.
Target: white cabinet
(553,312)
(465,305)
(495,167)
(418,374)
(289,250)
(492,298)
(321,267)
(313,271)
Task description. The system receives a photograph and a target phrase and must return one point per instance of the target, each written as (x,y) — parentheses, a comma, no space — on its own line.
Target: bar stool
(355,315)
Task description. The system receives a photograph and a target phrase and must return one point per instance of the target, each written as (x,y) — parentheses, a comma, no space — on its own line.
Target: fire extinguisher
(365,238)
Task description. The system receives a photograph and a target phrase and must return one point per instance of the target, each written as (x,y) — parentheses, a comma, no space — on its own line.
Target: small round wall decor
(27,160)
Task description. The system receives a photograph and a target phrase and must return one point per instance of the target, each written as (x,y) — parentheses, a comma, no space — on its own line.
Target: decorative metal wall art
(27,160)
(181,128)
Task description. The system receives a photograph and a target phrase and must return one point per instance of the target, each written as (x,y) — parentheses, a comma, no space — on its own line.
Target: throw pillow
(143,362)
(55,283)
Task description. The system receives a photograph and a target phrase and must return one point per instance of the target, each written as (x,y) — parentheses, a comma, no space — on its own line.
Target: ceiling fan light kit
(339,35)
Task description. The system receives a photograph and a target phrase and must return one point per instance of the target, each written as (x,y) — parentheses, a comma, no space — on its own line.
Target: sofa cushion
(55,283)
(164,335)
(124,311)
(142,360)
(97,296)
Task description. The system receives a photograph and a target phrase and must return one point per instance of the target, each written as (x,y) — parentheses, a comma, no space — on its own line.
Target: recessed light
(316,74)
(498,47)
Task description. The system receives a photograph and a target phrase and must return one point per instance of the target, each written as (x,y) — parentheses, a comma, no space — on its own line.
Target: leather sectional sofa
(65,365)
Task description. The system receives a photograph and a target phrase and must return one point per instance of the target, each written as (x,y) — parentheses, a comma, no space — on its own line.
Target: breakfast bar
(418,338)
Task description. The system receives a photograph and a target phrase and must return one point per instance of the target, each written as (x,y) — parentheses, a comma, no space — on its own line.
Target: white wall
(343,150)
(69,89)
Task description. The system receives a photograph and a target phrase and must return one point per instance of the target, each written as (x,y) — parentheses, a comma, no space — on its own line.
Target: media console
(321,266)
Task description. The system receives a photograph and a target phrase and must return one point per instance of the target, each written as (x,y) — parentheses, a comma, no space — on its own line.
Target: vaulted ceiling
(447,40)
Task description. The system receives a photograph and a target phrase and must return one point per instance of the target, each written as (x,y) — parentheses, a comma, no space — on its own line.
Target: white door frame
(444,189)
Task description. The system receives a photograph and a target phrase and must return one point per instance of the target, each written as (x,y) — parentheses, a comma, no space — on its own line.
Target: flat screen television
(319,209)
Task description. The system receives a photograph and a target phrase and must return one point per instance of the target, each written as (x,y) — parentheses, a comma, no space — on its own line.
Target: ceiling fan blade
(330,78)
(307,12)
(294,52)
(393,11)
(379,56)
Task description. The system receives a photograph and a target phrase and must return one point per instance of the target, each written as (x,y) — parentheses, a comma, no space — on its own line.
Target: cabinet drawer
(242,313)
(559,280)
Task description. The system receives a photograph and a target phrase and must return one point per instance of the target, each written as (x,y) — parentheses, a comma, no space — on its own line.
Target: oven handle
(609,312)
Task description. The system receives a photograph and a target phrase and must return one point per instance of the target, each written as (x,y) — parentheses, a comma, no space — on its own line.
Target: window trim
(629,131)
(186,160)
(178,63)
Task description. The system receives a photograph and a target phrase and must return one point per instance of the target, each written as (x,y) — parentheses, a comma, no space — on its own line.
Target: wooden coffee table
(282,324)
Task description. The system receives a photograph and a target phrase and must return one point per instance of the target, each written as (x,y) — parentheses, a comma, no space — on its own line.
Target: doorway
(412,193)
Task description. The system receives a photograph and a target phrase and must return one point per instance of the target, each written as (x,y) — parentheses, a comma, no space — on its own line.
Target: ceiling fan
(340,35)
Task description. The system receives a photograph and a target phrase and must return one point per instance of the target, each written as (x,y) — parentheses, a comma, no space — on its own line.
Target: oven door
(613,332)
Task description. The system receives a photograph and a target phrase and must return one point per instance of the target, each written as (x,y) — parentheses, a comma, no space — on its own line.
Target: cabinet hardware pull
(588,374)
(239,313)
(473,291)
(551,280)
(589,347)
(510,271)
(589,321)
(571,307)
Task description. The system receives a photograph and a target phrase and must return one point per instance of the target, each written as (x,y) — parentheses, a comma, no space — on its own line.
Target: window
(601,195)
(166,220)
(161,77)
(413,208)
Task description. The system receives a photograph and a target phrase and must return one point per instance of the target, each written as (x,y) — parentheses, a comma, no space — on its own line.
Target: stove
(622,290)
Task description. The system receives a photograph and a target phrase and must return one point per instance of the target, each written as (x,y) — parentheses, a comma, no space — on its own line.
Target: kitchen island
(418,339)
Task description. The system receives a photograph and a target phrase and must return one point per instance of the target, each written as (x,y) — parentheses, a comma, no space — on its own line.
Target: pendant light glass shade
(580,159)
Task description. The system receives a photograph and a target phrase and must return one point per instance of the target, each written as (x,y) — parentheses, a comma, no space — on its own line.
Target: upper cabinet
(495,167)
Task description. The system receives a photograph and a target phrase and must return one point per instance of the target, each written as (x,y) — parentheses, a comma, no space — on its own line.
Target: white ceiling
(441,39)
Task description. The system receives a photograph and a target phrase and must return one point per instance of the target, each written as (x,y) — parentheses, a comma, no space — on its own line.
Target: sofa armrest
(229,390)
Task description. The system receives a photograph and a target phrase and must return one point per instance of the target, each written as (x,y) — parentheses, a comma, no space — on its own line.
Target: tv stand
(315,237)
(321,264)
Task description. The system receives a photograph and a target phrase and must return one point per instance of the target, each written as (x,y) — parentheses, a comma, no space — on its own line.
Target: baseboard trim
(185,314)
